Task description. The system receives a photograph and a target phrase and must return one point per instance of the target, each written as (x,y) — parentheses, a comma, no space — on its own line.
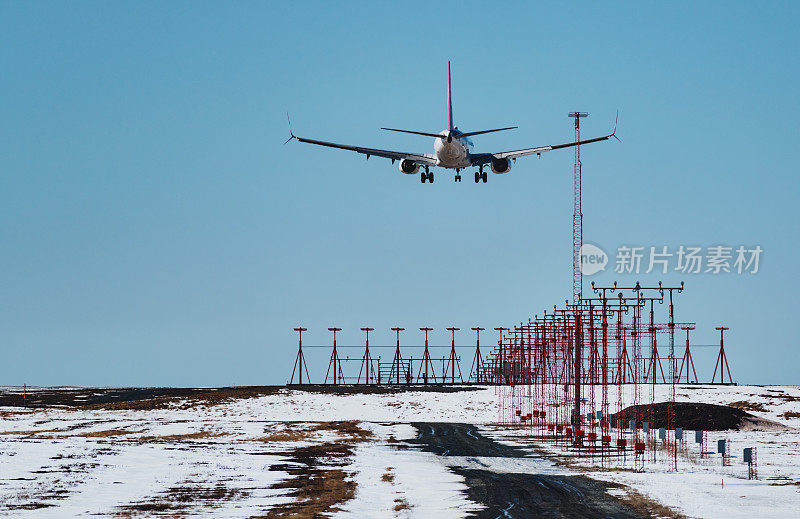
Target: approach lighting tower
(577,215)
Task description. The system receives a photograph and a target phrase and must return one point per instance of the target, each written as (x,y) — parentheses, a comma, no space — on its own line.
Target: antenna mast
(577,215)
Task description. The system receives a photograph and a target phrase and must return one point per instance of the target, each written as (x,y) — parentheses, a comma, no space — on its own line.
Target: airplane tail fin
(450,126)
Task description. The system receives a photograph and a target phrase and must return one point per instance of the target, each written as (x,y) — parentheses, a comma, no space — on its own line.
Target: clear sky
(156,231)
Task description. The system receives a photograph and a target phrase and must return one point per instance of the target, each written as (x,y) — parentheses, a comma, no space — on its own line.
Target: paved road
(511,496)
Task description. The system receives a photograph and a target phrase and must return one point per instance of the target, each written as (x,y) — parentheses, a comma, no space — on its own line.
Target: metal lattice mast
(367,361)
(300,362)
(335,363)
(477,362)
(722,360)
(398,359)
(452,361)
(577,215)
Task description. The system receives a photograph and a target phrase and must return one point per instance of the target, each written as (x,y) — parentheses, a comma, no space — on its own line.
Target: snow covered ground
(702,487)
(242,457)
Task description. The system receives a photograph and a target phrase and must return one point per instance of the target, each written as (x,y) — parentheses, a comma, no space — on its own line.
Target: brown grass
(28,433)
(325,453)
(287,436)
(28,506)
(200,435)
(175,501)
(781,396)
(105,434)
(388,477)
(188,401)
(162,402)
(319,485)
(401,504)
(348,428)
(645,504)
(316,492)
(791,414)
(749,407)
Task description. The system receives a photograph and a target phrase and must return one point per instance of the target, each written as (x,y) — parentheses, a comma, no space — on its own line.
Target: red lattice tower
(687,357)
(397,362)
(673,376)
(300,360)
(367,362)
(577,215)
(477,362)
(452,361)
(722,359)
(501,380)
(335,363)
(427,363)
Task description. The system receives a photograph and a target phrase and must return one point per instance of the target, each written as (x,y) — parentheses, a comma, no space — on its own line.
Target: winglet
(614,133)
(291,135)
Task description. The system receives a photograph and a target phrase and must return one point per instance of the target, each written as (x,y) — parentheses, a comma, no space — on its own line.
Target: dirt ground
(159,397)
(690,416)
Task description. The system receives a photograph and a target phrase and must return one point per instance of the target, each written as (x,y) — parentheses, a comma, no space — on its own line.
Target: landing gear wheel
(458,178)
(477,177)
(484,177)
(422,177)
(430,177)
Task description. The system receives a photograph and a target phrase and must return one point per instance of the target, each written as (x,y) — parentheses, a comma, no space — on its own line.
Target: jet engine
(501,166)
(409,167)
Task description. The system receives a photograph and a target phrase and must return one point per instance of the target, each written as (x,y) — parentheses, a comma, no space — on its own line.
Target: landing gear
(458,175)
(427,175)
(480,175)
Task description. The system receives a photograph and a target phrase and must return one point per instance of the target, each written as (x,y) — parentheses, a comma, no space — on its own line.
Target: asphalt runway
(511,496)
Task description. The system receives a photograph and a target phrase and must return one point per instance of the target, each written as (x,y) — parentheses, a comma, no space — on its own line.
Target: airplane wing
(485,158)
(424,160)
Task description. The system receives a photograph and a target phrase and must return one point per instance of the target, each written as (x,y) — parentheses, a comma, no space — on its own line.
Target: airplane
(452,149)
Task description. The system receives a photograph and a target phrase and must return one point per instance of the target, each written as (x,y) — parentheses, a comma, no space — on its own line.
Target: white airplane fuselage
(452,151)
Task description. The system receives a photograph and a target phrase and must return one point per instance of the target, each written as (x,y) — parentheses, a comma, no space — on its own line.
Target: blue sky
(156,231)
